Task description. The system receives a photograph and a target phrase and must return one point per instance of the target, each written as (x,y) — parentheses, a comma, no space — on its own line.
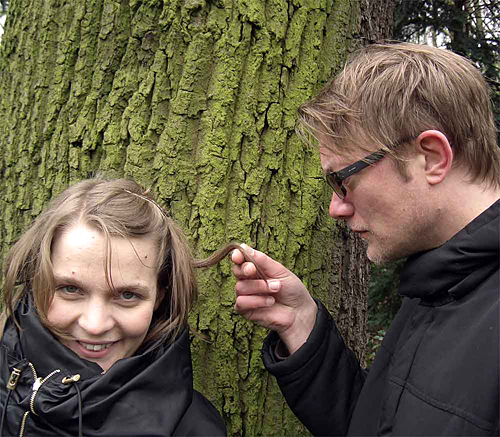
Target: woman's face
(107,322)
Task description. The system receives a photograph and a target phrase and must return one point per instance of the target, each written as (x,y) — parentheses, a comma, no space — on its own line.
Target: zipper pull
(14,378)
(37,384)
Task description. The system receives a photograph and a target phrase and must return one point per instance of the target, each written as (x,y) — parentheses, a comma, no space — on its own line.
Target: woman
(95,340)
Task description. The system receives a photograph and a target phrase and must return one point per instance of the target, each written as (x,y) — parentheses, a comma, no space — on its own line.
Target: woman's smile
(95,347)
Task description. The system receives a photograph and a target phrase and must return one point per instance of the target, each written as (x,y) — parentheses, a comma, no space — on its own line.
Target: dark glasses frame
(335,178)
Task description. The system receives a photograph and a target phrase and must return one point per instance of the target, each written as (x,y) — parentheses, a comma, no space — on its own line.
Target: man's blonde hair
(387,94)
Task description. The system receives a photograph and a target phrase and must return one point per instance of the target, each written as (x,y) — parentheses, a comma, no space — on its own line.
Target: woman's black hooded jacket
(54,392)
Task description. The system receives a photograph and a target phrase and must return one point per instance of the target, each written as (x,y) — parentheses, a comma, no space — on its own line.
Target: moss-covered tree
(195,99)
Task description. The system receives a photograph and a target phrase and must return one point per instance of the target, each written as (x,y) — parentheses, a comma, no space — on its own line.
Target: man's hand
(281,303)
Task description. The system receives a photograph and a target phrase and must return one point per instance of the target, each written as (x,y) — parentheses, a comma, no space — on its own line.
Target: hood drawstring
(11,385)
(74,379)
(80,415)
(4,411)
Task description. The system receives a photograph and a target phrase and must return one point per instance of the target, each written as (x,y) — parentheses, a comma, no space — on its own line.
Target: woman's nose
(96,318)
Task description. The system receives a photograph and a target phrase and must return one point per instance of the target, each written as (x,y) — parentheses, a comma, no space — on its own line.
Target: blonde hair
(387,94)
(115,208)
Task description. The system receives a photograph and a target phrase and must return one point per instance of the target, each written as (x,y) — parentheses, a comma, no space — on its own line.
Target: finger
(244,254)
(246,271)
(266,266)
(270,318)
(251,286)
(237,257)
(246,304)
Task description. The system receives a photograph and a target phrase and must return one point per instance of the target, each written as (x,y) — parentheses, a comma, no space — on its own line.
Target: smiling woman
(95,342)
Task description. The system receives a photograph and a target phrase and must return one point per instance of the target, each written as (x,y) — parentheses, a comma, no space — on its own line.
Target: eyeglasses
(335,178)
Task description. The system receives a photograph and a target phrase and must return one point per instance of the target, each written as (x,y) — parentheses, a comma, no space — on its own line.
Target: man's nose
(340,209)
(96,318)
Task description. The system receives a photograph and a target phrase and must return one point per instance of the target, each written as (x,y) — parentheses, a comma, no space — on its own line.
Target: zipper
(36,386)
(23,423)
(32,367)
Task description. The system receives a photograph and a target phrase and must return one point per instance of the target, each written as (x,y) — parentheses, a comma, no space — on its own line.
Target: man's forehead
(344,147)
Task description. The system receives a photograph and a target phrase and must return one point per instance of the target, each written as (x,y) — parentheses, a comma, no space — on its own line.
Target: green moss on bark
(196,100)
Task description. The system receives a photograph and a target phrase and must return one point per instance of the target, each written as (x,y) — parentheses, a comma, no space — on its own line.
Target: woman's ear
(438,155)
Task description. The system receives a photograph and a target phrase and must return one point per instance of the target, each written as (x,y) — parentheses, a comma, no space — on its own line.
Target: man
(408,143)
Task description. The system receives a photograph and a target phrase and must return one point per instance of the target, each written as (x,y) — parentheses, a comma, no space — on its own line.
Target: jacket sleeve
(201,419)
(321,381)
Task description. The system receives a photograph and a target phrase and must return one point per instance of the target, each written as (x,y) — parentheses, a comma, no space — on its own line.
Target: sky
(2,22)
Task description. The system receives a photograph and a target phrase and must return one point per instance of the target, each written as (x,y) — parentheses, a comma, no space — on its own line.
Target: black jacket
(437,371)
(150,393)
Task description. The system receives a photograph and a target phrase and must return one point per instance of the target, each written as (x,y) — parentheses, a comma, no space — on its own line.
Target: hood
(460,265)
(146,394)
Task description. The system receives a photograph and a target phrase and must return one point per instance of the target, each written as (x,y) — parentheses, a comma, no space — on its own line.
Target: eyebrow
(136,288)
(65,279)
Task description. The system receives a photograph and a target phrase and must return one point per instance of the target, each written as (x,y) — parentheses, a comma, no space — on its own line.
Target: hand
(281,303)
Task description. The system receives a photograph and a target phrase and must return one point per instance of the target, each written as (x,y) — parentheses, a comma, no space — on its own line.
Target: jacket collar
(459,265)
(43,350)
(155,384)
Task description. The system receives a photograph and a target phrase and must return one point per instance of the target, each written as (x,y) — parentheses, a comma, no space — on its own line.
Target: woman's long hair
(116,208)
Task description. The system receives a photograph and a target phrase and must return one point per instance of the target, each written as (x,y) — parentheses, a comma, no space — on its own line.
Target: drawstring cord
(74,379)
(80,415)
(4,412)
(11,385)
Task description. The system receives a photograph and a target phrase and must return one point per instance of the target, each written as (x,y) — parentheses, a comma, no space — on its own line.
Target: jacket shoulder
(201,419)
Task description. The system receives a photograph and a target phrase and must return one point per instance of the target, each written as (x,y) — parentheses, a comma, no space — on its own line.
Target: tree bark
(196,100)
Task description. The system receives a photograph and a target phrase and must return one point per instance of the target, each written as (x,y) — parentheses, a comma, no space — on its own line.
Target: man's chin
(380,257)
(378,261)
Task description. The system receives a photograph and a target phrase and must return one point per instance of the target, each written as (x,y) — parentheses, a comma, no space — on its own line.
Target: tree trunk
(196,100)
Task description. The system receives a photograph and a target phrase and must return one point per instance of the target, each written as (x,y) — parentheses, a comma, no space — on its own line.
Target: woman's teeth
(95,347)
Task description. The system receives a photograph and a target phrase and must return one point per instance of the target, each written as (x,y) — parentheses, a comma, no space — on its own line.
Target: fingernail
(269,301)
(274,285)
(247,270)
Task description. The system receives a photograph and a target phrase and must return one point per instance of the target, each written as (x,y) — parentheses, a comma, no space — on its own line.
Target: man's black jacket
(437,371)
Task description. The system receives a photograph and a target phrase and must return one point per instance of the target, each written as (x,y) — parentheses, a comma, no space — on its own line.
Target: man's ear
(438,155)
(160,295)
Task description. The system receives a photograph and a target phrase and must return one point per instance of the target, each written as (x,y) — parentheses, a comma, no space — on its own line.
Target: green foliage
(374,342)
(383,303)
(383,298)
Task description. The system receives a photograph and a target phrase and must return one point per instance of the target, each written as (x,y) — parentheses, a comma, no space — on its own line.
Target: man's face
(392,214)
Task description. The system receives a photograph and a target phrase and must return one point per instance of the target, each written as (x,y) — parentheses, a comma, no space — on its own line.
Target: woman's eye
(128,295)
(69,291)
